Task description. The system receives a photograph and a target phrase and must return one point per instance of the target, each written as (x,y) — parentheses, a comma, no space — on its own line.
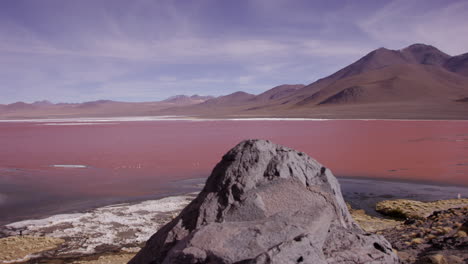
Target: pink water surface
(134,158)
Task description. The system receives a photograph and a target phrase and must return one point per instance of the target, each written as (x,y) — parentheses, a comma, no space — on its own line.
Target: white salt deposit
(76,124)
(68,166)
(97,120)
(116,225)
(94,121)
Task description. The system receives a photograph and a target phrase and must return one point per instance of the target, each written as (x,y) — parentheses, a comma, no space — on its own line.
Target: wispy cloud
(150,50)
(401,23)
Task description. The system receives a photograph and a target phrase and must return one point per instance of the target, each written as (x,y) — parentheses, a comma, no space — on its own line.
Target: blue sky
(146,50)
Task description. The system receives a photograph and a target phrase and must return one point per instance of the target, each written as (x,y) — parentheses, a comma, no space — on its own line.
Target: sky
(148,50)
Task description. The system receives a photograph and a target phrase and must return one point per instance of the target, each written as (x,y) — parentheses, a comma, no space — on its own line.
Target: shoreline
(116,232)
(195,185)
(97,120)
(405,181)
(122,227)
(185,187)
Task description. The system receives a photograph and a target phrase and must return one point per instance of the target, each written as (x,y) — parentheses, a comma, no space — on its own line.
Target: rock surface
(265,203)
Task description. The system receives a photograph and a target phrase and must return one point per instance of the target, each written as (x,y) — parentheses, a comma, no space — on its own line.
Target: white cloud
(402,22)
(124,55)
(190,49)
(246,79)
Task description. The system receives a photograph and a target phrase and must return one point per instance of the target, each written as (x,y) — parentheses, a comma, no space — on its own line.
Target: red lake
(58,167)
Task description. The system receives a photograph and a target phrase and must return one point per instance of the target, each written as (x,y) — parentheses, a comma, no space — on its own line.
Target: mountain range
(417,82)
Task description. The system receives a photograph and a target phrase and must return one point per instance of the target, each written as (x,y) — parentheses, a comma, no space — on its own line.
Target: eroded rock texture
(265,203)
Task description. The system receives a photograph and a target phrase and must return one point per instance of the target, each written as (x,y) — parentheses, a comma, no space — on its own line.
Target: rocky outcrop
(265,203)
(439,238)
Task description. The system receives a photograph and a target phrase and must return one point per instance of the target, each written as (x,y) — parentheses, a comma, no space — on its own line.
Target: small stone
(403,255)
(417,241)
(455,260)
(447,230)
(436,259)
(460,234)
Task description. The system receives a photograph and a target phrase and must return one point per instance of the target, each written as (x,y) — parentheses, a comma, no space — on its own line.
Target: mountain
(416,82)
(18,106)
(237,98)
(95,104)
(277,92)
(99,108)
(396,83)
(222,105)
(458,64)
(419,81)
(376,61)
(424,54)
(42,103)
(184,99)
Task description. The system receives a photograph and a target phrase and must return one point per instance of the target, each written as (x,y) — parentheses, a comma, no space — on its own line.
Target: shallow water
(47,169)
(365,193)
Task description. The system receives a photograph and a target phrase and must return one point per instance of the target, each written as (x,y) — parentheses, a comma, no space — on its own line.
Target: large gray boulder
(265,203)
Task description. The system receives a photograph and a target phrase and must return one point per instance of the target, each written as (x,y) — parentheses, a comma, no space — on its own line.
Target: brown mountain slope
(415,76)
(100,108)
(374,60)
(424,54)
(235,102)
(277,92)
(397,83)
(19,106)
(222,106)
(377,59)
(233,99)
(458,64)
(418,81)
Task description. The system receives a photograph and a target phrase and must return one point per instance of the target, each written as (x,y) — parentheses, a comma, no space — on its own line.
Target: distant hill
(237,98)
(277,92)
(18,106)
(42,103)
(184,99)
(458,64)
(416,82)
(384,68)
(99,108)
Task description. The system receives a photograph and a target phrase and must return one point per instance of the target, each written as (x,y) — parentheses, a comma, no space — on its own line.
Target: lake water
(48,168)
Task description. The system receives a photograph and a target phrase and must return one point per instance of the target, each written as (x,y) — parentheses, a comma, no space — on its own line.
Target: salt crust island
(265,203)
